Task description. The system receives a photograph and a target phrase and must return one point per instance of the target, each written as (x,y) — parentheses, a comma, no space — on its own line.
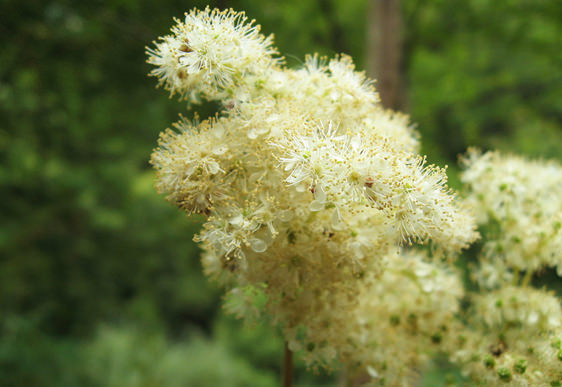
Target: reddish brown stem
(287,367)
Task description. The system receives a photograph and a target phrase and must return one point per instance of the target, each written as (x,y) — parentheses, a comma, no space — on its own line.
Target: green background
(100,282)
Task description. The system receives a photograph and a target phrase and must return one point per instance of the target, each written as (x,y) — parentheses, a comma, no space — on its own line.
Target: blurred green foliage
(486,73)
(100,282)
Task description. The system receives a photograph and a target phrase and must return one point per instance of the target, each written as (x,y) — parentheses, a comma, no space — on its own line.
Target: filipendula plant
(309,190)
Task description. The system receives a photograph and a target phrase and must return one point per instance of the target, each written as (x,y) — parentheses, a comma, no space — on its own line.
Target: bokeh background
(100,282)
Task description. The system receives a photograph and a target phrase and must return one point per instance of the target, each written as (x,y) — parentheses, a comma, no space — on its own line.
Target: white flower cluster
(209,52)
(309,187)
(515,331)
(522,200)
(515,338)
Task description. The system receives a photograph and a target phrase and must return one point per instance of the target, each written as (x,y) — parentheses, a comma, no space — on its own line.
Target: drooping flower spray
(309,189)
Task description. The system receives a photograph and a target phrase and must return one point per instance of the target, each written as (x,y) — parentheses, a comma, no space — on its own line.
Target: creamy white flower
(308,188)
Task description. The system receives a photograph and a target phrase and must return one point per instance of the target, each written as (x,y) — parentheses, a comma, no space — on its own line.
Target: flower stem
(516,276)
(287,367)
(527,278)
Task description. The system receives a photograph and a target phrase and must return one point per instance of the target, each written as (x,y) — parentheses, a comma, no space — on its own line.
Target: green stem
(516,275)
(527,278)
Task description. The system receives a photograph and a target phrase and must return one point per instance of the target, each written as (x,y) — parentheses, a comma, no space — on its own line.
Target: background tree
(385,49)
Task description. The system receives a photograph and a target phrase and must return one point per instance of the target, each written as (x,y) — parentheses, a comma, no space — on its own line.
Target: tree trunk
(384,50)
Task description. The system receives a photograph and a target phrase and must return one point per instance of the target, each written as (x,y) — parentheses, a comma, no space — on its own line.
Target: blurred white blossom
(522,199)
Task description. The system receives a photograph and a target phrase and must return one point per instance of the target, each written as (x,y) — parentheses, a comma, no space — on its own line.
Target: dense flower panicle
(524,200)
(309,187)
(515,338)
